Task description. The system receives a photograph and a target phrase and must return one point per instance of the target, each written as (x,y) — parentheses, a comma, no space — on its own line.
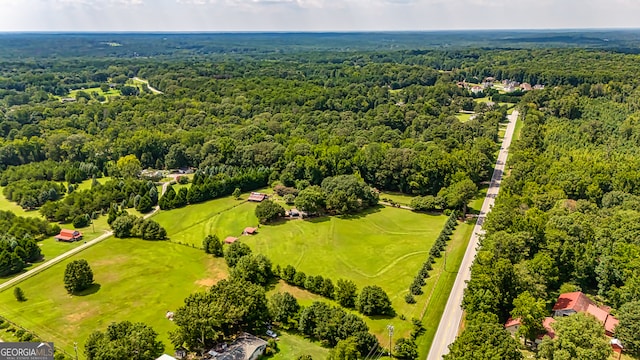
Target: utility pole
(390,328)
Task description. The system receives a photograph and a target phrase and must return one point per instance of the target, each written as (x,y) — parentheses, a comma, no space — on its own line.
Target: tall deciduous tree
(234,252)
(230,306)
(406,349)
(374,301)
(78,276)
(484,339)
(129,166)
(268,211)
(212,245)
(579,336)
(346,293)
(531,312)
(311,199)
(346,349)
(283,308)
(628,330)
(125,340)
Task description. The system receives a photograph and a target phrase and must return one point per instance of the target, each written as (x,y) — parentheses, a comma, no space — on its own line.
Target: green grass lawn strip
(442,287)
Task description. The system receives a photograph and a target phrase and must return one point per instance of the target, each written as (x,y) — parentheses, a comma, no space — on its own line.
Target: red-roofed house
(69,235)
(230,240)
(257,197)
(610,325)
(512,326)
(249,231)
(571,303)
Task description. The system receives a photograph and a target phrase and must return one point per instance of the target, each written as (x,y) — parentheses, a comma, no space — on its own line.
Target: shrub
(19,294)
(409,299)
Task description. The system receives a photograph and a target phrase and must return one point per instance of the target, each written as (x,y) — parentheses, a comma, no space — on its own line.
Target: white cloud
(315,15)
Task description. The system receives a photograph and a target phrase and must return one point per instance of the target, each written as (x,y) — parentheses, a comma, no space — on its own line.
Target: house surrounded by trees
(69,235)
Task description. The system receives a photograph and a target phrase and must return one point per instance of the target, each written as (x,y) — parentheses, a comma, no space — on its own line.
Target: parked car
(272,334)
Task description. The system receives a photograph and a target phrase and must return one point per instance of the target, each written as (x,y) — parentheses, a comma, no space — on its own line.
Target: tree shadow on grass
(363,213)
(94,288)
(318,219)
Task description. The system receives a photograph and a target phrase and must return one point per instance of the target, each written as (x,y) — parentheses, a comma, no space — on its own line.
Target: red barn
(69,235)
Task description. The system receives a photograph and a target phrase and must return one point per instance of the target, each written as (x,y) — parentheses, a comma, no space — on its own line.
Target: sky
(314,15)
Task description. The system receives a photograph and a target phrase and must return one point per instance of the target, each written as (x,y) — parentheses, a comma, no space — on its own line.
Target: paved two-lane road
(452,315)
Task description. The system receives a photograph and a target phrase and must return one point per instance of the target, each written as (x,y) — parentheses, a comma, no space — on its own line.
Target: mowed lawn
(385,246)
(223,217)
(137,281)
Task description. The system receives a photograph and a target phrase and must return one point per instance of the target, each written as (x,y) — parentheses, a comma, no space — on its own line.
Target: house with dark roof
(69,235)
(244,347)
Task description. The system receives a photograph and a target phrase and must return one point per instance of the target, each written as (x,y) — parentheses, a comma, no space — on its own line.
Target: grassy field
(440,283)
(518,129)
(108,94)
(398,198)
(127,273)
(464,117)
(292,346)
(384,246)
(190,225)
(7,205)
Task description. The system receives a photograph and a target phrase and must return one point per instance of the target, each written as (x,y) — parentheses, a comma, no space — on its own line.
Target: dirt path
(151,88)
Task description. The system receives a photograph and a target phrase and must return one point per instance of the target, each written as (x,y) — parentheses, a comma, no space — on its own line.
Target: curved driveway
(452,315)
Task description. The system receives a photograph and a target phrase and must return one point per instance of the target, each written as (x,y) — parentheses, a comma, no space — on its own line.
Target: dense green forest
(566,218)
(246,115)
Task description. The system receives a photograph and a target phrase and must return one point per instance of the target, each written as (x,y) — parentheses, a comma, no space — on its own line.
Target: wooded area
(331,126)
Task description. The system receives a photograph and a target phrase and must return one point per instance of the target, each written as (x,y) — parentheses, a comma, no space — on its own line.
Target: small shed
(249,231)
(69,235)
(230,240)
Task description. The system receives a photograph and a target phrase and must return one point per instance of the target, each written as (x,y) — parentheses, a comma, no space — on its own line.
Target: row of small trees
(125,226)
(372,300)
(436,251)
(212,183)
(15,254)
(129,193)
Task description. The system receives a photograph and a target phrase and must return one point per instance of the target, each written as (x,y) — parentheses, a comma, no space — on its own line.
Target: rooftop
(576,301)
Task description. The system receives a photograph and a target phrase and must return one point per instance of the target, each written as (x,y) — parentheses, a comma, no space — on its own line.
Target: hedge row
(435,252)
